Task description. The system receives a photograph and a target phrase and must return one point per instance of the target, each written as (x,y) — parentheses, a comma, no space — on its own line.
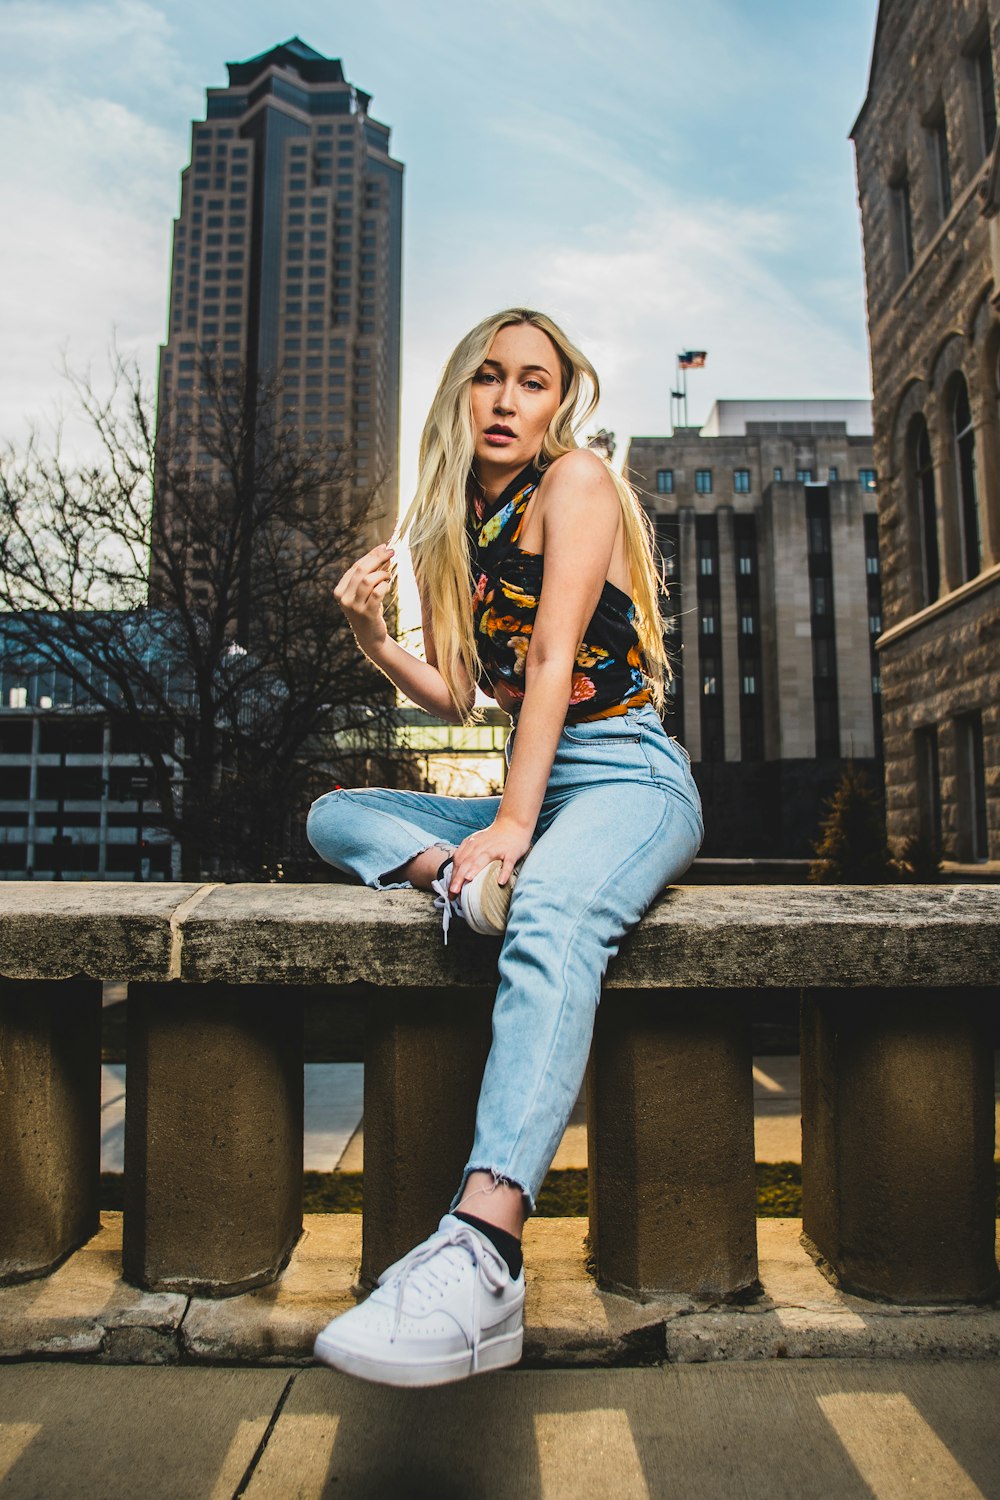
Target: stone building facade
(765,519)
(928,175)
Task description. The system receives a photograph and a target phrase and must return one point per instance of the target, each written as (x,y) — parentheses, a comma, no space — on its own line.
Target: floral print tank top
(506,585)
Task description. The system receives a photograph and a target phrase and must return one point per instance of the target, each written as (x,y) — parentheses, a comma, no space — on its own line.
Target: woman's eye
(485,376)
(535,385)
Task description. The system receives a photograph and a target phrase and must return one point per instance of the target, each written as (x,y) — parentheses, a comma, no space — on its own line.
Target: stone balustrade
(898,991)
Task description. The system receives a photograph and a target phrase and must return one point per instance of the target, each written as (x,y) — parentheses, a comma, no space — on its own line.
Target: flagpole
(688,359)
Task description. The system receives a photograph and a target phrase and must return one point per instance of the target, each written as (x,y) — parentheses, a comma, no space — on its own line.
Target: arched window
(930,572)
(968,500)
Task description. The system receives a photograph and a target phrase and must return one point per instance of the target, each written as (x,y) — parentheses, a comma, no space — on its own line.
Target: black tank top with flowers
(506,585)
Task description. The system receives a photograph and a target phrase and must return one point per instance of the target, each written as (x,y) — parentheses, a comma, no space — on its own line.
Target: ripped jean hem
(379,882)
(500,1179)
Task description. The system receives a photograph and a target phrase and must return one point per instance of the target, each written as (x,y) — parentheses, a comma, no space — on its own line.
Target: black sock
(504,1243)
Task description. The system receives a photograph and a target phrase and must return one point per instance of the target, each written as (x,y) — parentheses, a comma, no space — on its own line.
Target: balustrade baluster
(50,1121)
(670,1117)
(898,1194)
(213,1135)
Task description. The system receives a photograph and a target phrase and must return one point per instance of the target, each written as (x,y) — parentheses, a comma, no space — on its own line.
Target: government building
(765,520)
(928,176)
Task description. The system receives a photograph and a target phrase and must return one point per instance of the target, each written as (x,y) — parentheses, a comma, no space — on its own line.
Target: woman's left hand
(502,840)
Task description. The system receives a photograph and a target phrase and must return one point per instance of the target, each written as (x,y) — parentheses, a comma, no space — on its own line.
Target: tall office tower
(927,154)
(287,259)
(765,518)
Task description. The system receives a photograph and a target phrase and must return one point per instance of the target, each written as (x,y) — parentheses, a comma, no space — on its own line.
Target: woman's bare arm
(360,594)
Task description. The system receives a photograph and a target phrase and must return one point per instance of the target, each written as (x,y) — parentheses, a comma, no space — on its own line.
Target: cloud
(635,287)
(618,182)
(117,47)
(697,276)
(90,189)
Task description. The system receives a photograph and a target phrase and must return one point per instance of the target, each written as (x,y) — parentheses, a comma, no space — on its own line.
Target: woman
(599,810)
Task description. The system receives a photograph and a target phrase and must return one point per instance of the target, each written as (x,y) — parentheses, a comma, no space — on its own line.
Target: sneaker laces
(419,1272)
(448,906)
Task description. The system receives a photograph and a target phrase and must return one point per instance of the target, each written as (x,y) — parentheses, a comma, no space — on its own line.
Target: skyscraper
(287,259)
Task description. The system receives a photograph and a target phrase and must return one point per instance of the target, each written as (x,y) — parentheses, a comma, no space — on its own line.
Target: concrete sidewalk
(789,1430)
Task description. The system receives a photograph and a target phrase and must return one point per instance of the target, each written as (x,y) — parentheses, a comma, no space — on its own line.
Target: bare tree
(183,586)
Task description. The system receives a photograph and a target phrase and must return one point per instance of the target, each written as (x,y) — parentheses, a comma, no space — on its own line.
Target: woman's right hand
(360,593)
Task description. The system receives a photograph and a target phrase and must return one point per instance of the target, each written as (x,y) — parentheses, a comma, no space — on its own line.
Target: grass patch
(779,1189)
(112,1199)
(332,1192)
(563,1194)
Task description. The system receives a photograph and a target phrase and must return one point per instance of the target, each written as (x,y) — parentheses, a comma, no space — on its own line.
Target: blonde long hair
(436,518)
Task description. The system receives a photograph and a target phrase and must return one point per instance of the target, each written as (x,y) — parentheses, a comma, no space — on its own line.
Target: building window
(804,476)
(746,624)
(777,476)
(831,476)
(942,171)
(968,497)
(819,592)
(745,564)
(706,561)
(987,96)
(876,685)
(871,565)
(708,617)
(664,481)
(866,478)
(819,535)
(823,658)
(741,481)
(875,624)
(703,481)
(903,218)
(708,686)
(929,784)
(749,684)
(971,787)
(927,516)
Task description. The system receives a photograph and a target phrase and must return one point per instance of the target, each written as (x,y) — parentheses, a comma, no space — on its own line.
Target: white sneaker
(482,902)
(448,1309)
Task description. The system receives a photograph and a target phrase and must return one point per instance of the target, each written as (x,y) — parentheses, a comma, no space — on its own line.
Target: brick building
(765,518)
(928,174)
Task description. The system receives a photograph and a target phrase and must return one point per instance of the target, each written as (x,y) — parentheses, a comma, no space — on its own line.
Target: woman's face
(515,394)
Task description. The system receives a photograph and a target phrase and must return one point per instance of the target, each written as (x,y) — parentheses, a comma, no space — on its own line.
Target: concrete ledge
(705,937)
(109,930)
(85,1311)
(702,937)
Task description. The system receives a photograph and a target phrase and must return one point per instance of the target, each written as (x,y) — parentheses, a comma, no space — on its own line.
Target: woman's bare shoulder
(580,476)
(580,465)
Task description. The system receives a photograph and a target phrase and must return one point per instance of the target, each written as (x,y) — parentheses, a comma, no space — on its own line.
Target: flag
(692,359)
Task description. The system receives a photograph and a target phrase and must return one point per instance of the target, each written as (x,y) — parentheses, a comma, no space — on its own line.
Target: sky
(655,174)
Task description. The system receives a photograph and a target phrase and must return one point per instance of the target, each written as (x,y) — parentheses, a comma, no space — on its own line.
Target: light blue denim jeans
(621,819)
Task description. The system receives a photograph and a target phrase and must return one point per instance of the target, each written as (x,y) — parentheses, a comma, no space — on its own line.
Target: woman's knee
(327,821)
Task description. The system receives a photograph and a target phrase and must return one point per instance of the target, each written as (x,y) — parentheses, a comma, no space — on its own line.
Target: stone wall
(931,677)
(933,324)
